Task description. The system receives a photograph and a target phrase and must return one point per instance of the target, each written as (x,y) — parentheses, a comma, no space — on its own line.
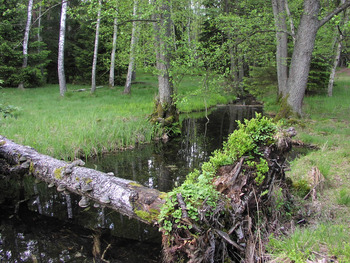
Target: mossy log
(125,196)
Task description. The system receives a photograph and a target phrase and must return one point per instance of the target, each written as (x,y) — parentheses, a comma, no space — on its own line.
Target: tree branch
(333,13)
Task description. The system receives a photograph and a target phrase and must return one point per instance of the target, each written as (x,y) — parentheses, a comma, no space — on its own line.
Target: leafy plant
(198,190)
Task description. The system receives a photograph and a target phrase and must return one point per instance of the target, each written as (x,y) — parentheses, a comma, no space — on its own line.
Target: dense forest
(247,45)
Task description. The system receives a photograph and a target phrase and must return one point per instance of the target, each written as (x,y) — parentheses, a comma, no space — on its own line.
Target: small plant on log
(212,216)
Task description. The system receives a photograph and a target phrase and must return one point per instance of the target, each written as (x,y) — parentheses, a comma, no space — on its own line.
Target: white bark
(26,38)
(125,196)
(134,39)
(114,47)
(94,61)
(279,13)
(336,56)
(291,23)
(61,75)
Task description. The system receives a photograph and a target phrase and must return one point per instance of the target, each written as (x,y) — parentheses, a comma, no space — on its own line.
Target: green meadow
(83,124)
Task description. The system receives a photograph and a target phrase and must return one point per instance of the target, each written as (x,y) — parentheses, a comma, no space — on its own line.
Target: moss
(144,215)
(163,195)
(88,180)
(58,173)
(31,168)
(2,143)
(285,111)
(135,184)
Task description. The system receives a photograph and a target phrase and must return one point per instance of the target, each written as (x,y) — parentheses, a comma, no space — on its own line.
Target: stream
(39,224)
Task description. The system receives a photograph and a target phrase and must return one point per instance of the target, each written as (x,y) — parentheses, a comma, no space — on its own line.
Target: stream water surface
(38,224)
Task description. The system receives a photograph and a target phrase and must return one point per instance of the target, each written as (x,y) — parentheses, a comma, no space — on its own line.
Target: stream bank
(160,166)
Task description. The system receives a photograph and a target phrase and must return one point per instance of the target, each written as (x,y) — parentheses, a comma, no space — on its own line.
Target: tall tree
(60,61)
(134,38)
(26,39)
(163,30)
(114,47)
(94,62)
(302,53)
(279,11)
(338,41)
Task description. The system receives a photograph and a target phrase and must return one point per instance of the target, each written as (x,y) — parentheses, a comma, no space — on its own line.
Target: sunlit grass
(325,124)
(83,124)
(326,240)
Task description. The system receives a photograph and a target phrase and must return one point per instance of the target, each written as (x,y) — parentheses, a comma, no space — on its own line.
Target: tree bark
(125,196)
(134,38)
(94,61)
(114,47)
(302,53)
(279,13)
(163,38)
(338,39)
(26,39)
(61,75)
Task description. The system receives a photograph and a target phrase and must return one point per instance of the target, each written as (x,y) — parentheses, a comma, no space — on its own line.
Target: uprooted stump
(223,213)
(219,214)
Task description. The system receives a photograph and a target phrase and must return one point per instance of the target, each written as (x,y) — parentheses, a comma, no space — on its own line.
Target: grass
(84,124)
(326,124)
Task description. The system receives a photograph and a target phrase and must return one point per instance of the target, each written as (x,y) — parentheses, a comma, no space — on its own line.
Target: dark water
(38,224)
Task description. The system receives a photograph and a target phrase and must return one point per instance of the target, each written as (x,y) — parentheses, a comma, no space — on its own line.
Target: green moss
(31,168)
(163,195)
(135,184)
(58,173)
(147,216)
(285,111)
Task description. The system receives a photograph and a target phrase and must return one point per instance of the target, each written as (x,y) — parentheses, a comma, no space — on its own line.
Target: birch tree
(94,62)
(114,47)
(278,7)
(26,39)
(338,40)
(61,75)
(134,39)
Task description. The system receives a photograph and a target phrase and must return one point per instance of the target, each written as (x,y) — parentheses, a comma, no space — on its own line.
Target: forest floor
(322,227)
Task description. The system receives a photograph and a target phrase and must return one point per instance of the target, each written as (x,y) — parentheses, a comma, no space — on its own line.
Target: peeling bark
(125,196)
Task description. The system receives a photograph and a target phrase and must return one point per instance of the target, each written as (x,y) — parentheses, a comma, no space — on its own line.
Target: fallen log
(127,197)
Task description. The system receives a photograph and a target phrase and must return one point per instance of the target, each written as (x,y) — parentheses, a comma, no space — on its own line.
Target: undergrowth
(198,189)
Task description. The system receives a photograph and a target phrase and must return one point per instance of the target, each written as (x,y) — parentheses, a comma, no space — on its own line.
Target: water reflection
(163,166)
(39,224)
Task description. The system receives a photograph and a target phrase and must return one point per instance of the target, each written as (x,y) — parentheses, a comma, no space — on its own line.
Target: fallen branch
(125,196)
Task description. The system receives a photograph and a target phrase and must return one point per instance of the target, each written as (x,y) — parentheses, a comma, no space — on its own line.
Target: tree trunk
(125,196)
(301,59)
(134,38)
(26,39)
(94,61)
(291,23)
(279,13)
(114,47)
(304,45)
(165,85)
(336,56)
(61,75)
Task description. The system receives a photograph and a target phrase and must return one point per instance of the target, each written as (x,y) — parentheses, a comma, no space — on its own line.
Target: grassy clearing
(327,233)
(81,124)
